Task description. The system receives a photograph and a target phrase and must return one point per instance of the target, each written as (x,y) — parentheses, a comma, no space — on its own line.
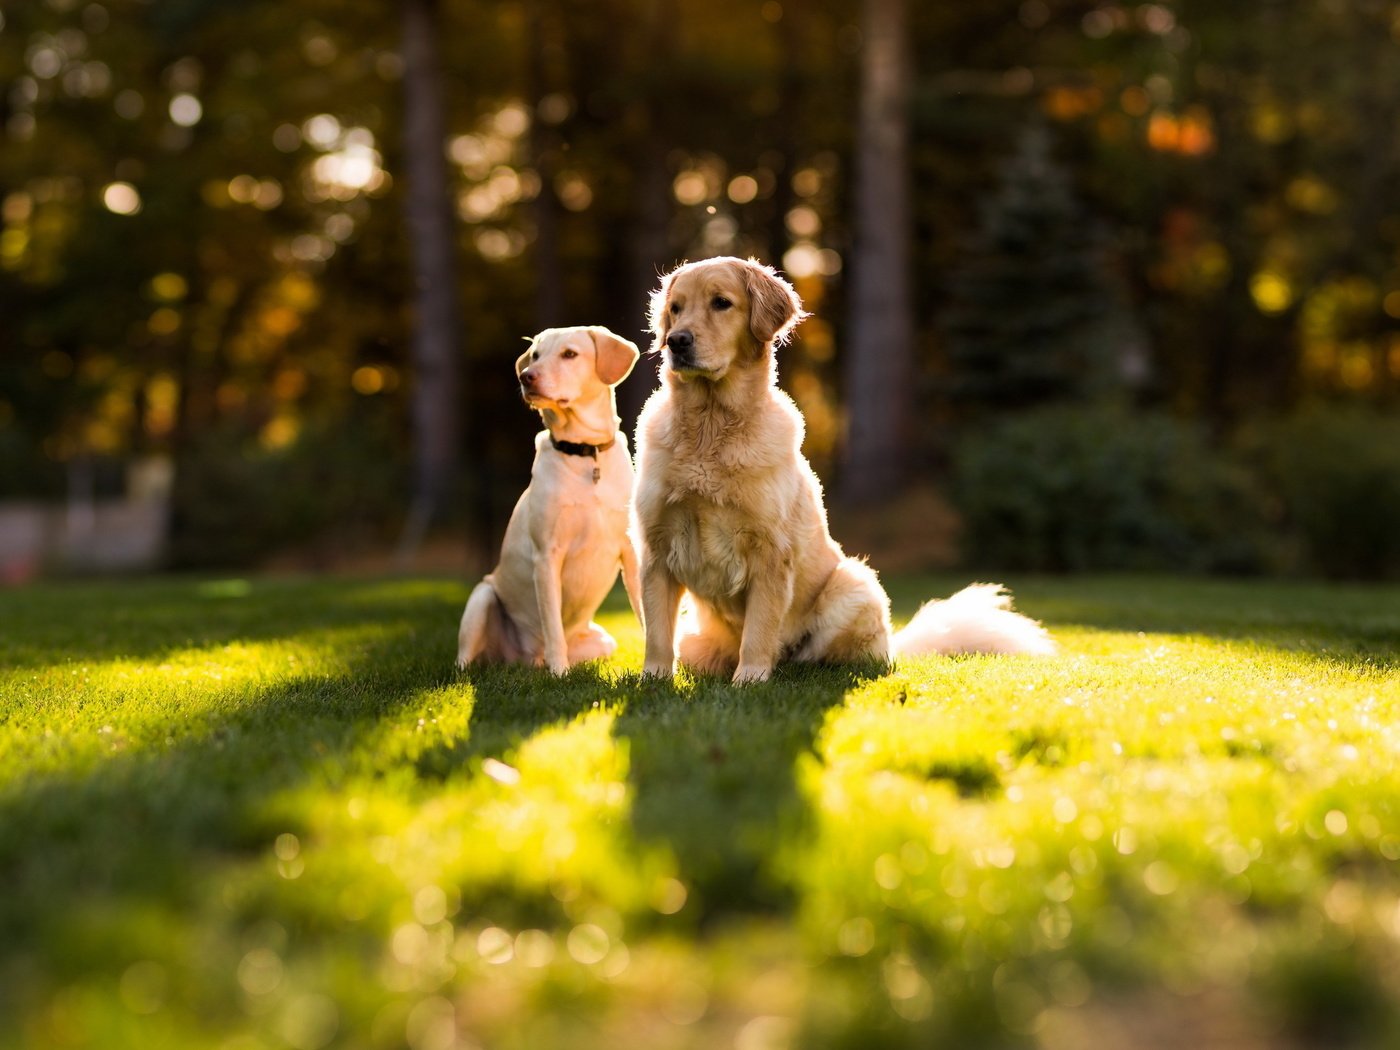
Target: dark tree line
(233,233)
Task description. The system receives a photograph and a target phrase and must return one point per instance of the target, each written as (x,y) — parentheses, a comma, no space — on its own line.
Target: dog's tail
(978,619)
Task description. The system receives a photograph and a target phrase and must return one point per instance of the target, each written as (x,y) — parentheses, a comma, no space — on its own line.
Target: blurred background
(1095,285)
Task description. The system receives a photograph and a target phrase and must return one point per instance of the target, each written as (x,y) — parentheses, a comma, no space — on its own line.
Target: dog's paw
(659,670)
(558,668)
(747,673)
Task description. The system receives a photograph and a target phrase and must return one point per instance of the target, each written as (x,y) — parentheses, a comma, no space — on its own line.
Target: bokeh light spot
(588,943)
(1271,292)
(367,380)
(669,896)
(260,972)
(322,131)
(432,1025)
(743,188)
(129,104)
(169,287)
(534,948)
(164,321)
(287,138)
(186,110)
(689,187)
(494,945)
(121,198)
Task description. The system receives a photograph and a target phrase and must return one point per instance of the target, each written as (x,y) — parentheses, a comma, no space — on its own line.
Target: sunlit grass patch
(1196,812)
(272,814)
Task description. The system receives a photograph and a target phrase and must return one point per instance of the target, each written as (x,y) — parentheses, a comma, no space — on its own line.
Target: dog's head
(717,314)
(566,365)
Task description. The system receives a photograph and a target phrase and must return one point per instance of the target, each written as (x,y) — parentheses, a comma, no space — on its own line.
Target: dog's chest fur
(723,496)
(709,461)
(709,548)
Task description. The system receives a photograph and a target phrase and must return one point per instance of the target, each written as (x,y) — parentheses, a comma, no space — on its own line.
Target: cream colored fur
(567,537)
(729,512)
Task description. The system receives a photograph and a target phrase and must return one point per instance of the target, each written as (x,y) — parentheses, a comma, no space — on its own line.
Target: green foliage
(1027,315)
(1338,471)
(237,503)
(270,813)
(24,471)
(1330,998)
(1068,489)
(260,272)
(1254,229)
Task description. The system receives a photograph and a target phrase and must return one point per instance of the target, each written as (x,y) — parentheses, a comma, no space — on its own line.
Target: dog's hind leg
(850,620)
(591,643)
(707,644)
(484,634)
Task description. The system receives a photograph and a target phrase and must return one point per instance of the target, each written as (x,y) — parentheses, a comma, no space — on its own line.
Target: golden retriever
(567,536)
(728,510)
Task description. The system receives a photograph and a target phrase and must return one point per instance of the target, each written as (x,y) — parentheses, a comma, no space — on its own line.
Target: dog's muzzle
(681,345)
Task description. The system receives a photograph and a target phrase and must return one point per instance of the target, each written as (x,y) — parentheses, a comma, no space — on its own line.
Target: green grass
(270,814)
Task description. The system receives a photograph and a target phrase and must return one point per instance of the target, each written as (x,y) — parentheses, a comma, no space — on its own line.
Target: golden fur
(728,510)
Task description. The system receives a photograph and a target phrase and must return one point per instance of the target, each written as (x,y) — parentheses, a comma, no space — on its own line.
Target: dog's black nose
(681,343)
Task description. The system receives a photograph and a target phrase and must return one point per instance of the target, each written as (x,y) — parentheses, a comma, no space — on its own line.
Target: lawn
(245,814)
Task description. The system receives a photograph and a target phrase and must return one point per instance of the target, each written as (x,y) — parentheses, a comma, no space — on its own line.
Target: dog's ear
(614,356)
(523,361)
(774,308)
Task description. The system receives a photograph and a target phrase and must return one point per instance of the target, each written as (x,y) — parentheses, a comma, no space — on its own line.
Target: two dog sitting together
(726,509)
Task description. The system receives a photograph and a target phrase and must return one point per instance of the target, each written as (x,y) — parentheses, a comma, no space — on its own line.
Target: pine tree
(1032,306)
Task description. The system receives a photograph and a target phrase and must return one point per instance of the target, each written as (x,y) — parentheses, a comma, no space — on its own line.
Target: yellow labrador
(568,534)
(729,511)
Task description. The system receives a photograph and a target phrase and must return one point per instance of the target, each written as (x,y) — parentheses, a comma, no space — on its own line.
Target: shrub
(236,503)
(1337,471)
(25,472)
(1070,489)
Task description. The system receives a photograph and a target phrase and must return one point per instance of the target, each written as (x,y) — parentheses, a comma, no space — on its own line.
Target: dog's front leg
(549,598)
(769,598)
(632,579)
(661,599)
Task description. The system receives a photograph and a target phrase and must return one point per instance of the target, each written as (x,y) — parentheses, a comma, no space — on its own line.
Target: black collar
(578,448)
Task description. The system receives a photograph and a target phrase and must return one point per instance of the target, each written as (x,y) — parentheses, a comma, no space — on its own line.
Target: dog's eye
(675,308)
(568,354)
(721,303)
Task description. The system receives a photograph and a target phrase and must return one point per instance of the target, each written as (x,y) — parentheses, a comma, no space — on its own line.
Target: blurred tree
(652,113)
(1029,300)
(204,250)
(547,106)
(435,394)
(879,359)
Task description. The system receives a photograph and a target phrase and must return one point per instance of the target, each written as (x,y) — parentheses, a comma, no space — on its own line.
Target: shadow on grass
(713,771)
(145,619)
(108,854)
(712,766)
(513,703)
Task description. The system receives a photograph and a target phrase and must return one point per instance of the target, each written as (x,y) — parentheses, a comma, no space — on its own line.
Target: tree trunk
(544,156)
(879,358)
(649,247)
(784,134)
(435,395)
